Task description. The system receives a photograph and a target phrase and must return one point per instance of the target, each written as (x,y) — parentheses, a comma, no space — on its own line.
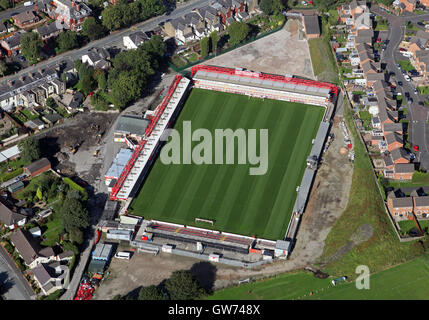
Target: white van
(123,255)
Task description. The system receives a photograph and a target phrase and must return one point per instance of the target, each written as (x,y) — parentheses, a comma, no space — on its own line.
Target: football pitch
(408,281)
(259,205)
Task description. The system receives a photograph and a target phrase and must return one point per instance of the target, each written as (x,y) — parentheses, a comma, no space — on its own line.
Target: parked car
(398,66)
(407,78)
(407,94)
(400,83)
(416,91)
(416,147)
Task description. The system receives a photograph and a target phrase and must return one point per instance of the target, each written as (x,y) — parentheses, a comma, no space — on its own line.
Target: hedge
(74,186)
(7,176)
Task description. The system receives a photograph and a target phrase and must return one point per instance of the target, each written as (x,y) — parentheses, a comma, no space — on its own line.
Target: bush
(74,186)
(8,176)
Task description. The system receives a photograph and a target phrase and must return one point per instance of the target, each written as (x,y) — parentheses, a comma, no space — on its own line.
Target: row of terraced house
(202,21)
(68,15)
(387,132)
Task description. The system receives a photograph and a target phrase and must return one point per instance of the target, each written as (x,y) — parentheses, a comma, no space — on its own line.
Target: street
(15,287)
(418,128)
(114,39)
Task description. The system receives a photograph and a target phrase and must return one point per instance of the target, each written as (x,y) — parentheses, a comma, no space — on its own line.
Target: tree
(76,236)
(102,81)
(5,4)
(125,89)
(214,37)
(66,41)
(111,17)
(3,67)
(92,29)
(29,149)
(183,286)
(50,103)
(31,46)
(39,193)
(204,46)
(270,7)
(73,215)
(88,84)
(238,32)
(151,293)
(150,8)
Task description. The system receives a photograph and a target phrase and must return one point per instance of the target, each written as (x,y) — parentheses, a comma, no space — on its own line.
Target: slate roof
(393,127)
(37,165)
(312,24)
(132,125)
(404,167)
(404,202)
(393,137)
(422,201)
(9,217)
(399,153)
(47,29)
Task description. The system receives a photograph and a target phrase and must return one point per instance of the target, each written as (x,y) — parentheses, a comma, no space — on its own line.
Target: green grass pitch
(239,203)
(408,281)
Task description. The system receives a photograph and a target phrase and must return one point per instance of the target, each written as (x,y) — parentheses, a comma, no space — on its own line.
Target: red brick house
(25,19)
(37,167)
(403,171)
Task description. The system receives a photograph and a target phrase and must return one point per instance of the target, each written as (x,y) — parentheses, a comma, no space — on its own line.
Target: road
(418,128)
(7,14)
(13,281)
(114,39)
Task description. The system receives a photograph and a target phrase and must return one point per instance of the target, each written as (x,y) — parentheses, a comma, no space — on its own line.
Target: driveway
(418,128)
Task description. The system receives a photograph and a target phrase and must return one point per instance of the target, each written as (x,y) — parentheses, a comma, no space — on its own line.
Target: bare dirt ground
(80,132)
(279,53)
(327,201)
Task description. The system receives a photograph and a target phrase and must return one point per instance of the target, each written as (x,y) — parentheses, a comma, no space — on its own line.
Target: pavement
(418,127)
(14,285)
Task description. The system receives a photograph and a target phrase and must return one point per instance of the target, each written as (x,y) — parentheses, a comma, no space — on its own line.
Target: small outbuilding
(38,167)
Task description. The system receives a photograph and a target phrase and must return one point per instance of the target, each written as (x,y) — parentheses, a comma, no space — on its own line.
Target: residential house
(48,31)
(364,36)
(421,206)
(393,141)
(407,5)
(403,171)
(25,19)
(72,100)
(12,44)
(11,218)
(424,3)
(37,167)
(51,277)
(38,85)
(399,155)
(97,58)
(421,62)
(211,18)
(134,40)
(399,206)
(70,13)
(29,250)
(363,21)
(393,127)
(311,26)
